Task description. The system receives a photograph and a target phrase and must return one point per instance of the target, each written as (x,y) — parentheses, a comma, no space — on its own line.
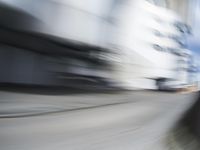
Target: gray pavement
(110,121)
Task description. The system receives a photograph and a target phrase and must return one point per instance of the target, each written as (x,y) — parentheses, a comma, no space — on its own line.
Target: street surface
(137,120)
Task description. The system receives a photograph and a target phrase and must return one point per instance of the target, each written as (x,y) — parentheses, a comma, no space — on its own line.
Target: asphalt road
(89,121)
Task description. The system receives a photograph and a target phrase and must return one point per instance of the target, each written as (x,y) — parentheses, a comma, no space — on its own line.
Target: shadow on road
(57,90)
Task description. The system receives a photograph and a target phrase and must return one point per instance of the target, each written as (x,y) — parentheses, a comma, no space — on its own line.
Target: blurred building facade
(151,40)
(146,39)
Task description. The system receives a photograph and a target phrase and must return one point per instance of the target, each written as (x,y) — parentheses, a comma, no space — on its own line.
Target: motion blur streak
(113,43)
(94,74)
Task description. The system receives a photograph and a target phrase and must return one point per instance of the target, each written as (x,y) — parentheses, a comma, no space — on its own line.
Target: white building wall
(83,21)
(131,34)
(139,63)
